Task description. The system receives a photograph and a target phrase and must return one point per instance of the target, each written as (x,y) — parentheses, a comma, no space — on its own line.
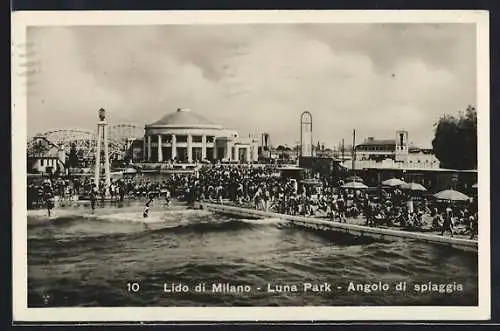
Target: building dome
(184,118)
(184,136)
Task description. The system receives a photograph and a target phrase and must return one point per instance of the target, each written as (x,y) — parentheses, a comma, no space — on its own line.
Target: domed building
(187,137)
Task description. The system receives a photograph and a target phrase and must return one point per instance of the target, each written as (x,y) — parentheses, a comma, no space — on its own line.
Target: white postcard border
(21,312)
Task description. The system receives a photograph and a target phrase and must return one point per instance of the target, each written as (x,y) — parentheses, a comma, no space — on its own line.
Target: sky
(375,78)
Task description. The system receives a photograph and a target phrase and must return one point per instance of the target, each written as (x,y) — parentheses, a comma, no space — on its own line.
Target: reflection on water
(76,258)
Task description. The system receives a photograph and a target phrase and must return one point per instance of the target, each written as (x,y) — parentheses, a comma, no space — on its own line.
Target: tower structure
(102,140)
(306,137)
(401,152)
(265,141)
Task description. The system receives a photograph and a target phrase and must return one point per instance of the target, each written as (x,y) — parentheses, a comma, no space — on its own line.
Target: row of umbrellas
(403,186)
(355,182)
(449,195)
(394,182)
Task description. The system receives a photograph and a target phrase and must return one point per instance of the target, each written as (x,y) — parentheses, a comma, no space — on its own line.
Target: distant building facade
(392,153)
(186,137)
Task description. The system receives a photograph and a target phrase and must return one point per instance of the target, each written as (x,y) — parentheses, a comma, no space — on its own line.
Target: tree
(455,140)
(40,147)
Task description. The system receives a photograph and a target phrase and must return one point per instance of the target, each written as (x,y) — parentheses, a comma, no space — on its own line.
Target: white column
(174,146)
(149,148)
(190,148)
(107,173)
(160,150)
(97,173)
(229,150)
(214,151)
(144,155)
(203,147)
(236,153)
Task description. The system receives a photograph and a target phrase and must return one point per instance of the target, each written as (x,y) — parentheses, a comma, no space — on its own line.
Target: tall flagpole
(354,152)
(97,172)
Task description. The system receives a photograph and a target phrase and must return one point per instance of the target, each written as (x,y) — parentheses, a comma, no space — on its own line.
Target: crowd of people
(264,189)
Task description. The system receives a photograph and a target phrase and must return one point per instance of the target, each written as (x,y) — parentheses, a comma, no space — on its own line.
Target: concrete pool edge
(353,229)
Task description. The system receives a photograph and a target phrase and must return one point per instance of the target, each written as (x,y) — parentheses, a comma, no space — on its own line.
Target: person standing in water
(167,197)
(103,193)
(93,197)
(49,198)
(145,214)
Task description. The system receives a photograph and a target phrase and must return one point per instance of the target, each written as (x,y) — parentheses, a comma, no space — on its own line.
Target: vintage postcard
(250,165)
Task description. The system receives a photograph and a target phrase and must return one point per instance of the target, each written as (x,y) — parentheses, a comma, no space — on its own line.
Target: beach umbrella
(130,171)
(354,185)
(354,179)
(474,186)
(311,182)
(393,182)
(451,195)
(413,187)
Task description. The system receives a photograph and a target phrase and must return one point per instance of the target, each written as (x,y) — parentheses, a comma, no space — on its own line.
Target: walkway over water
(356,230)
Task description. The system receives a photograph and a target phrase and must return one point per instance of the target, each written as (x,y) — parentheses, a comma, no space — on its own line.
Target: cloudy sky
(256,78)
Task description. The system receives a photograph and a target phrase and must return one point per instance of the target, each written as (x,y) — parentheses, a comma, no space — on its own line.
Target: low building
(376,149)
(325,166)
(379,159)
(45,157)
(433,180)
(186,137)
(392,153)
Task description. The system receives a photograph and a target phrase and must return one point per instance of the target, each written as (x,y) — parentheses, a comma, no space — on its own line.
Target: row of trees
(455,140)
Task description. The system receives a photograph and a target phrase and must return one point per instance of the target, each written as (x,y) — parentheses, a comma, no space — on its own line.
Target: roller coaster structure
(120,137)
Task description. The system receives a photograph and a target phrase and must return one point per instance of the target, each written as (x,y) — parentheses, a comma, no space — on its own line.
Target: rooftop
(372,141)
(43,148)
(185,118)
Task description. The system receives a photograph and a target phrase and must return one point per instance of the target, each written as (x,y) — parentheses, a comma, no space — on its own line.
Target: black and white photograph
(323,167)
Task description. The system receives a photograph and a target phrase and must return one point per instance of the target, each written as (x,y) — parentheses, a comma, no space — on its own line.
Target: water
(80,259)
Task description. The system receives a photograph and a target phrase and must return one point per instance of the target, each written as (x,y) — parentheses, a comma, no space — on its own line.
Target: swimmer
(145,214)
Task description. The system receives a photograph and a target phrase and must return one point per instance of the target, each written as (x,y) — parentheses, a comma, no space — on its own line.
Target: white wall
(42,164)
